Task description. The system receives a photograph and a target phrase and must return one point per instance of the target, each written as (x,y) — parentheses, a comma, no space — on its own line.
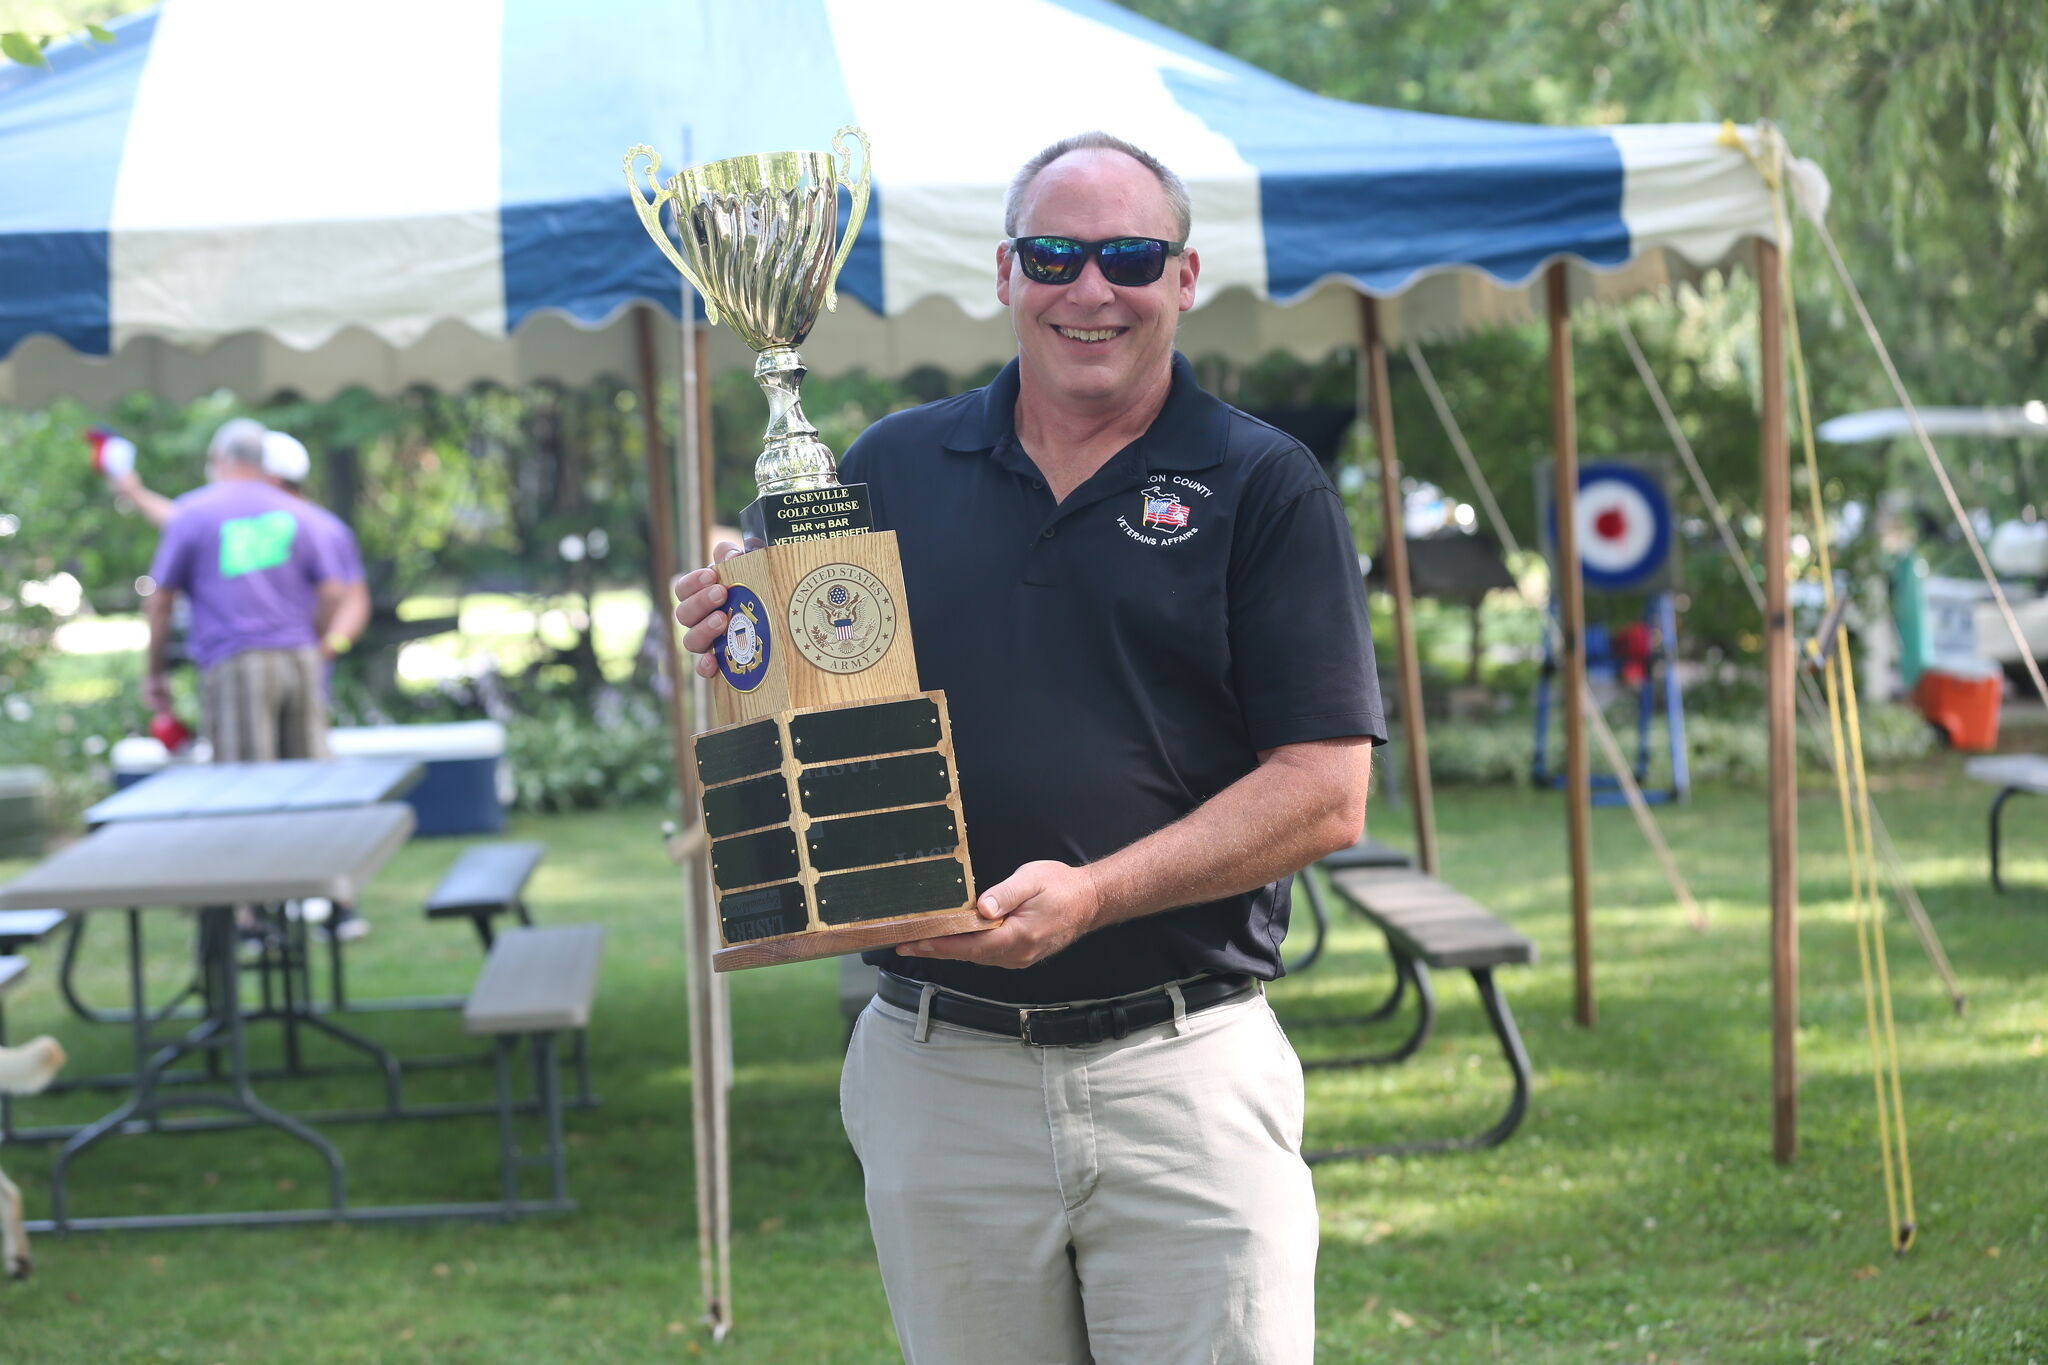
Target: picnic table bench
(20,928)
(1367,852)
(487,881)
(2011,774)
(537,983)
(1428,925)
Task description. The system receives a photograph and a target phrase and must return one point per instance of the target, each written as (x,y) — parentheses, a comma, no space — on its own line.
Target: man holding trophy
(1081,1126)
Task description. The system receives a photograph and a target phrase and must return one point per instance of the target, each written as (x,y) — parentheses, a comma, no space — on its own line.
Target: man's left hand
(1038,910)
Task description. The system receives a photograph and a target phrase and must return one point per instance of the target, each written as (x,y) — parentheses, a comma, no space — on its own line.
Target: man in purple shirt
(287,463)
(258,577)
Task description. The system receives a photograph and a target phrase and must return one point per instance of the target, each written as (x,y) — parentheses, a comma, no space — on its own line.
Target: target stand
(1627,545)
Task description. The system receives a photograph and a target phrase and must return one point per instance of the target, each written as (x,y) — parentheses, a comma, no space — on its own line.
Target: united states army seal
(842,618)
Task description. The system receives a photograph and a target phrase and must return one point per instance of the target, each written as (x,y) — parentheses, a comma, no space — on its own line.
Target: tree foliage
(1931,119)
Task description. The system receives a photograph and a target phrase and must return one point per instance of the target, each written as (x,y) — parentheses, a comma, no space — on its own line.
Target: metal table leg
(1406,970)
(68,988)
(1320,910)
(222,972)
(1997,810)
(1517,1057)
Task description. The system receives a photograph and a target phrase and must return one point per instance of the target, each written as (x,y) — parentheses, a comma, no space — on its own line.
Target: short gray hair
(1098,141)
(239,441)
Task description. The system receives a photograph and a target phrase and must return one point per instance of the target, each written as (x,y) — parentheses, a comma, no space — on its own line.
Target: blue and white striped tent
(270,196)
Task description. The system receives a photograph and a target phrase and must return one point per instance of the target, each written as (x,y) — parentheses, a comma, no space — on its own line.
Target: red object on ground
(1965,708)
(169,731)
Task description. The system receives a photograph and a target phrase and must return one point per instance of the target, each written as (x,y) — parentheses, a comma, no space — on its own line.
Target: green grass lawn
(1637,1216)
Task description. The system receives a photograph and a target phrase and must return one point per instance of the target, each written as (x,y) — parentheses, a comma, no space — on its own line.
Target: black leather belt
(1064,1025)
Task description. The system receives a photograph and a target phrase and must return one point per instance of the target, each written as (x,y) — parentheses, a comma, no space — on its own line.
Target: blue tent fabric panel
(62,132)
(572,240)
(1382,196)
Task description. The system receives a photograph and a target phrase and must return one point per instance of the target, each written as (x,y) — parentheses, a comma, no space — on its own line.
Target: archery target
(1624,527)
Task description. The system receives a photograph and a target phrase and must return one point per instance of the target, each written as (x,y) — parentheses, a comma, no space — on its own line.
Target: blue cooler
(463,790)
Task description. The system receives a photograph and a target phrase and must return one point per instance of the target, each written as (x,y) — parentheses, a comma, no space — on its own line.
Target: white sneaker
(346,927)
(312,910)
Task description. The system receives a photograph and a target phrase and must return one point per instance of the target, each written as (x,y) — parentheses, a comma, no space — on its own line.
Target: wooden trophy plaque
(831,797)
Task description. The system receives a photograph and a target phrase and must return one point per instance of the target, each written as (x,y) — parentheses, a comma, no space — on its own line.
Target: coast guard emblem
(743,652)
(842,618)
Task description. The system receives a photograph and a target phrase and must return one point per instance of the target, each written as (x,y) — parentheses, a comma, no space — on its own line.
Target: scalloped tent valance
(260,197)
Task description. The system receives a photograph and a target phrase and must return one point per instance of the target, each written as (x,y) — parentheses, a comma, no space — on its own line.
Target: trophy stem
(792,456)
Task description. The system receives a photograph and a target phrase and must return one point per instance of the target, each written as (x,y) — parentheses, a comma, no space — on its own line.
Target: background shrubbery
(1719,748)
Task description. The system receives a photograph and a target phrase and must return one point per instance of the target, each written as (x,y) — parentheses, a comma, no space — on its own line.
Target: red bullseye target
(1624,525)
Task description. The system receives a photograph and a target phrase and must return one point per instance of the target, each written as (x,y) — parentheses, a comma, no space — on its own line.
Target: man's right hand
(156,693)
(699,595)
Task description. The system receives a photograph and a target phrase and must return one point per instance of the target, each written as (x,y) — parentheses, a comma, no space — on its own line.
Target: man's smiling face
(1091,343)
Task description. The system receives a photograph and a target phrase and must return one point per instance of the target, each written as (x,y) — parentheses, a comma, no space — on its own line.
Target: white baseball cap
(285,457)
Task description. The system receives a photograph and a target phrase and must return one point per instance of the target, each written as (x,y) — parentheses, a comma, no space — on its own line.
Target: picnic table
(297,784)
(2011,774)
(204,790)
(204,866)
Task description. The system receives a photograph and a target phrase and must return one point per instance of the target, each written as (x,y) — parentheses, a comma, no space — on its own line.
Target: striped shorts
(265,704)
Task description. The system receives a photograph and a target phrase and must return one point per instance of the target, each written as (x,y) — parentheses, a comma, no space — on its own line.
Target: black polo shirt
(1115,660)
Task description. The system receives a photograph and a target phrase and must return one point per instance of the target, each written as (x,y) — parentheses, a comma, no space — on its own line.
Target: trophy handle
(650,218)
(860,206)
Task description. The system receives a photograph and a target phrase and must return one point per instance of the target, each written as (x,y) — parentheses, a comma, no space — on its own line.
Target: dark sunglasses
(1128,261)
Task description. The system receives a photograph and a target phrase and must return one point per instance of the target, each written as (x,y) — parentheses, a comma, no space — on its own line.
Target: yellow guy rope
(1844,721)
(1810,701)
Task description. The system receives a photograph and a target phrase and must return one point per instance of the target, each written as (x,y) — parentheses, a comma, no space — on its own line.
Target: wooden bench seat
(12,969)
(20,928)
(1428,924)
(536,984)
(487,881)
(1367,852)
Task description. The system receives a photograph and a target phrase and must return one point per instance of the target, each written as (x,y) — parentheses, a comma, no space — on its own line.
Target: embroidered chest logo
(743,652)
(842,618)
(1168,513)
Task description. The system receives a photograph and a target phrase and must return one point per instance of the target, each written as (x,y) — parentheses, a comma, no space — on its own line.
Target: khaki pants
(1137,1202)
(264,704)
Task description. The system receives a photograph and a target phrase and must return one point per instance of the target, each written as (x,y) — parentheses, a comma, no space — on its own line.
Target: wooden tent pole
(1779,679)
(705,997)
(661,522)
(1394,550)
(1568,589)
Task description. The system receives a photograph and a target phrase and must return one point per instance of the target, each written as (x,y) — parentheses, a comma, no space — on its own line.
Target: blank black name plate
(862,731)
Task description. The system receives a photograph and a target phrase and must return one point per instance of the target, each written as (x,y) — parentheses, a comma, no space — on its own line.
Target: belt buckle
(1025,1014)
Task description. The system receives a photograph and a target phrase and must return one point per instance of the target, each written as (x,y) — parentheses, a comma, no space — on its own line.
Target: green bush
(1718,750)
(568,756)
(72,742)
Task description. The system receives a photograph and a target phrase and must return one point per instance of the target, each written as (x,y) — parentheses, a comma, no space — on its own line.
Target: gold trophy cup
(831,796)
